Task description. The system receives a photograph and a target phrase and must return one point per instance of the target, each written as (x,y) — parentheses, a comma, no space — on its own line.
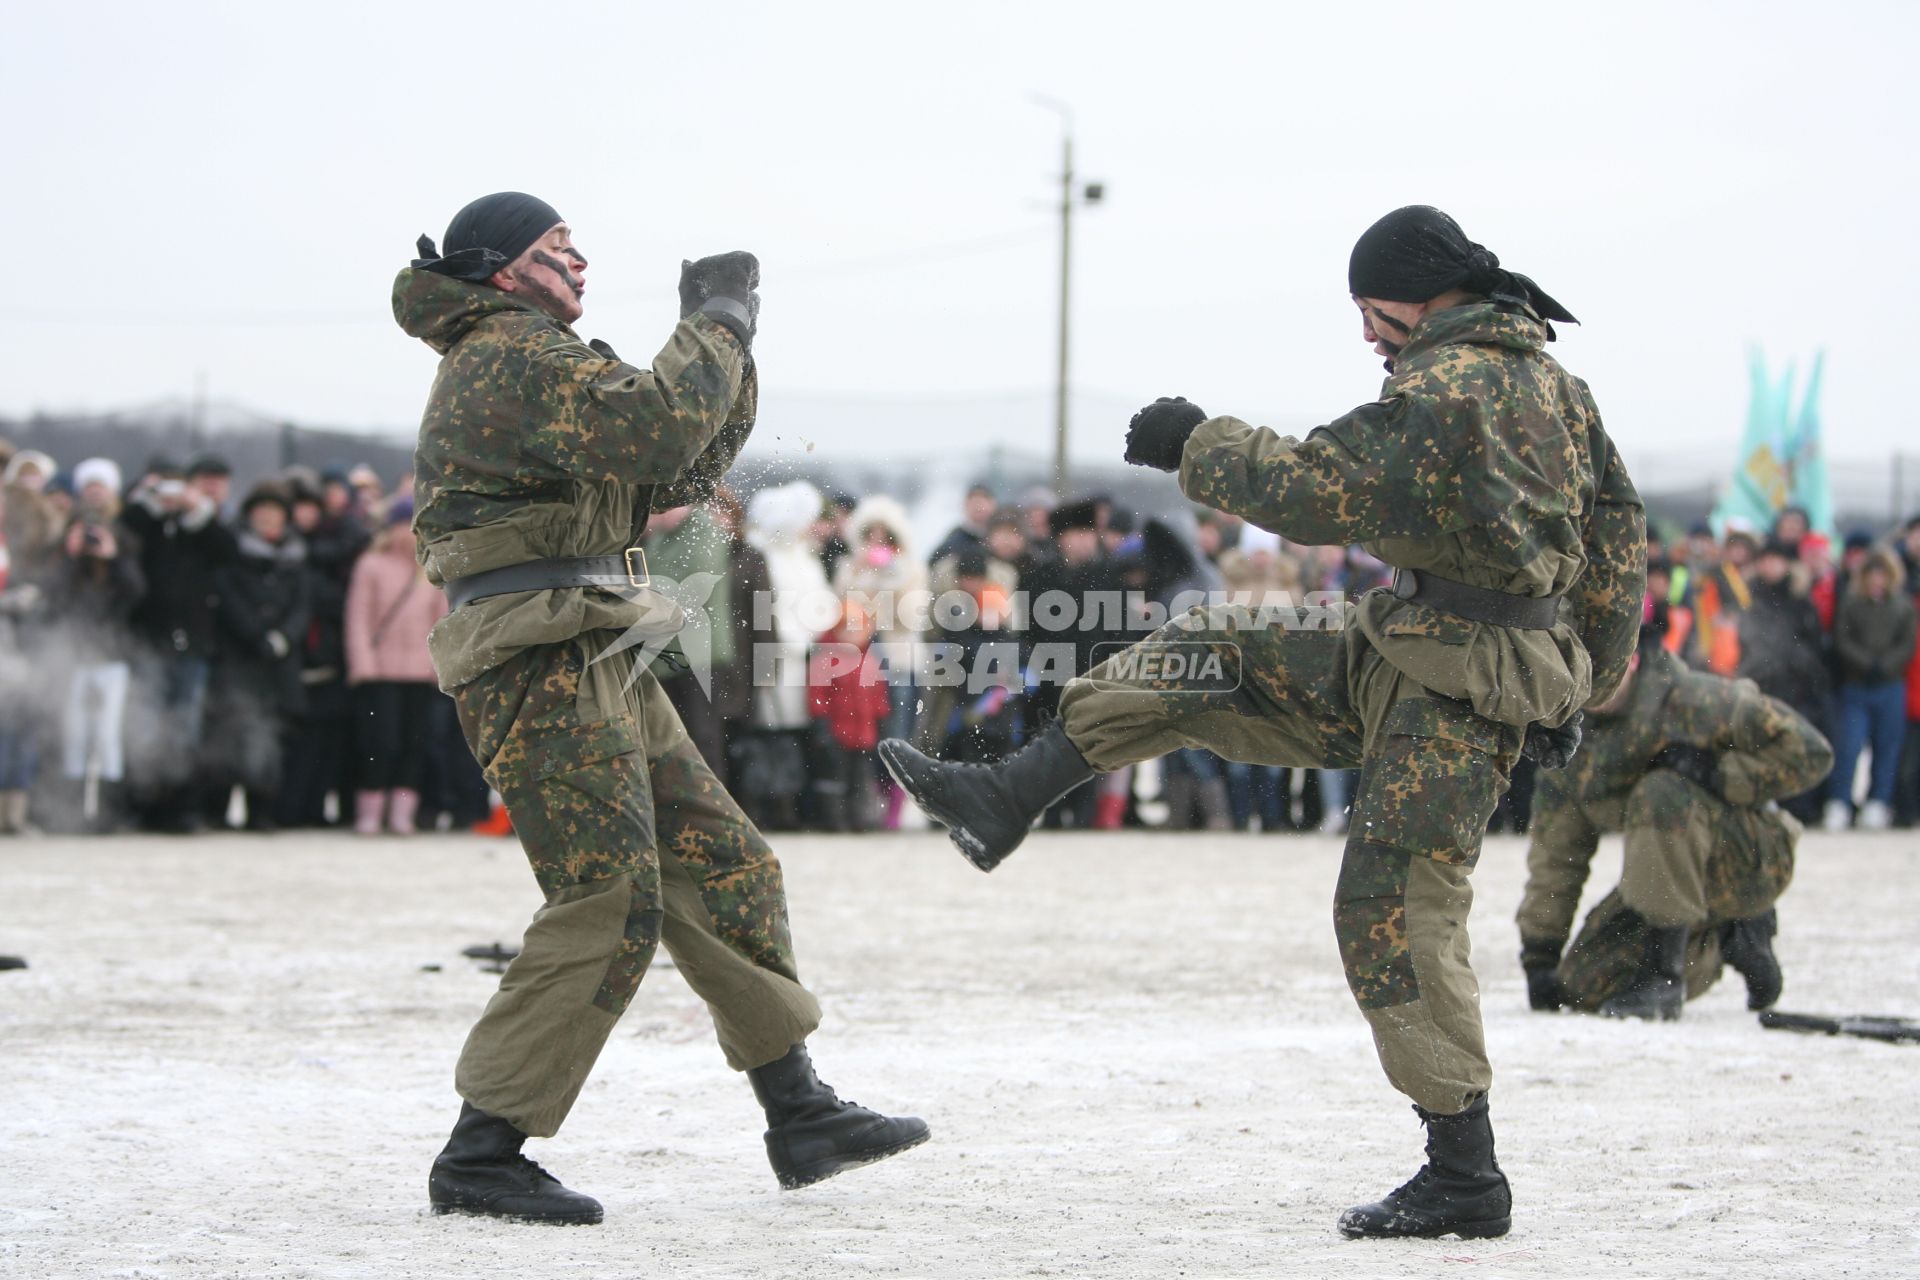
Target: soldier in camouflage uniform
(538,450)
(1482,467)
(1690,766)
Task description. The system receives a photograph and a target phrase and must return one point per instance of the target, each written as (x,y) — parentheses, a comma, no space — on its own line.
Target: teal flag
(1808,460)
(1781,461)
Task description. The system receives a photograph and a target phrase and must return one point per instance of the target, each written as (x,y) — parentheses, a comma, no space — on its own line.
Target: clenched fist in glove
(726,287)
(1158,433)
(1553,748)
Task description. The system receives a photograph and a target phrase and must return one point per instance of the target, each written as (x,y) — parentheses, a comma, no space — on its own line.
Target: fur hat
(97,471)
(267,491)
(1084,514)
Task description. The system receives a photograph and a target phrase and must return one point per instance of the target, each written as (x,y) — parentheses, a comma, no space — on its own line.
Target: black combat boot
(482,1171)
(812,1135)
(987,808)
(1459,1190)
(1660,985)
(1747,946)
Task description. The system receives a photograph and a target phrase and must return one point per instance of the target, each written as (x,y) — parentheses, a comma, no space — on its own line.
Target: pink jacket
(389,596)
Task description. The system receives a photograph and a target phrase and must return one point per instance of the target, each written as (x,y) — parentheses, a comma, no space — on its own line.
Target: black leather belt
(628,569)
(1477,604)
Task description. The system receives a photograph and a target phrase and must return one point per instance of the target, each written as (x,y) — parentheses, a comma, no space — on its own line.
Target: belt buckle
(1405,584)
(641,577)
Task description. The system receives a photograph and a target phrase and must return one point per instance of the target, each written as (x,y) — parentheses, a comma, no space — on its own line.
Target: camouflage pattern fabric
(1282,697)
(536,444)
(1484,462)
(1370,925)
(1764,750)
(1431,773)
(616,809)
(1746,865)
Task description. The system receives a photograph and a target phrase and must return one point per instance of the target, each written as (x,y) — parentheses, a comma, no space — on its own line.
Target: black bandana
(1418,253)
(488,234)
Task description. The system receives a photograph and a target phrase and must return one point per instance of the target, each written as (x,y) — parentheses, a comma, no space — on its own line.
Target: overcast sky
(227,190)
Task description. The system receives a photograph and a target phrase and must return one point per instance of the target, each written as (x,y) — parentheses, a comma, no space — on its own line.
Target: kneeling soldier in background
(1689,766)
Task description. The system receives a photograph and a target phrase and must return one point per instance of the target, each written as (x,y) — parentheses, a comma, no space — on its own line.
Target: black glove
(1541,960)
(1553,748)
(725,287)
(1696,764)
(1158,433)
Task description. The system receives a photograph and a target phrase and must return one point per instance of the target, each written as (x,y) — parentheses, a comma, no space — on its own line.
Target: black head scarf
(488,234)
(1417,253)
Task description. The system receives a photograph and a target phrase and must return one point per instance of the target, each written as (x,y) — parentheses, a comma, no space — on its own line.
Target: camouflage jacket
(1765,751)
(536,444)
(1485,462)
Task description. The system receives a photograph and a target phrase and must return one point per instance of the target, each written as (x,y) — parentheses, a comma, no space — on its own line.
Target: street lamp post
(1070,196)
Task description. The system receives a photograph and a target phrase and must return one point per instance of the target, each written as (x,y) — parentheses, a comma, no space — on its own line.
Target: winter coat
(1483,462)
(1780,648)
(748,581)
(180,554)
(1873,639)
(895,589)
(90,600)
(391,609)
(1095,626)
(334,546)
(777,522)
(265,601)
(853,702)
(959,538)
(31,528)
(537,444)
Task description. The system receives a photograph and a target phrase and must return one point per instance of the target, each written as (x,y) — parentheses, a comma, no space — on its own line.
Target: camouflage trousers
(634,844)
(1431,771)
(1691,859)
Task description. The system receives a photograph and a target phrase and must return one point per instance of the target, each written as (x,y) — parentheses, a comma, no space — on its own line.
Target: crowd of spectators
(172,659)
(1830,635)
(974,669)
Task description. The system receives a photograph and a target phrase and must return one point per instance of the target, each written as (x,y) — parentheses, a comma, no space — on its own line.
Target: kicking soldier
(1690,766)
(1483,474)
(540,459)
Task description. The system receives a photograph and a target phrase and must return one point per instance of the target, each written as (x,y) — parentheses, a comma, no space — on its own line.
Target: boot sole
(821,1170)
(971,846)
(1465,1230)
(550,1220)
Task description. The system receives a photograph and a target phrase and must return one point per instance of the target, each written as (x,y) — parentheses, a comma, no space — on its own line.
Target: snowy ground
(230,1058)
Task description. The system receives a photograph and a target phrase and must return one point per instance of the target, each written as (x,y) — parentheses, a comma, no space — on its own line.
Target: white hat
(97,471)
(784,511)
(30,458)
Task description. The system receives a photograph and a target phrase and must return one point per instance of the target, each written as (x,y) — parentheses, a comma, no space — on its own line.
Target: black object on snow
(1870,1026)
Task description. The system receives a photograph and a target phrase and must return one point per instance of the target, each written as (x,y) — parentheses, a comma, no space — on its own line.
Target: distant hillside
(254,445)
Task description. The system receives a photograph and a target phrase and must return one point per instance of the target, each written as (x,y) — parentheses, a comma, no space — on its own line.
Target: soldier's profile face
(551,274)
(1384,325)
